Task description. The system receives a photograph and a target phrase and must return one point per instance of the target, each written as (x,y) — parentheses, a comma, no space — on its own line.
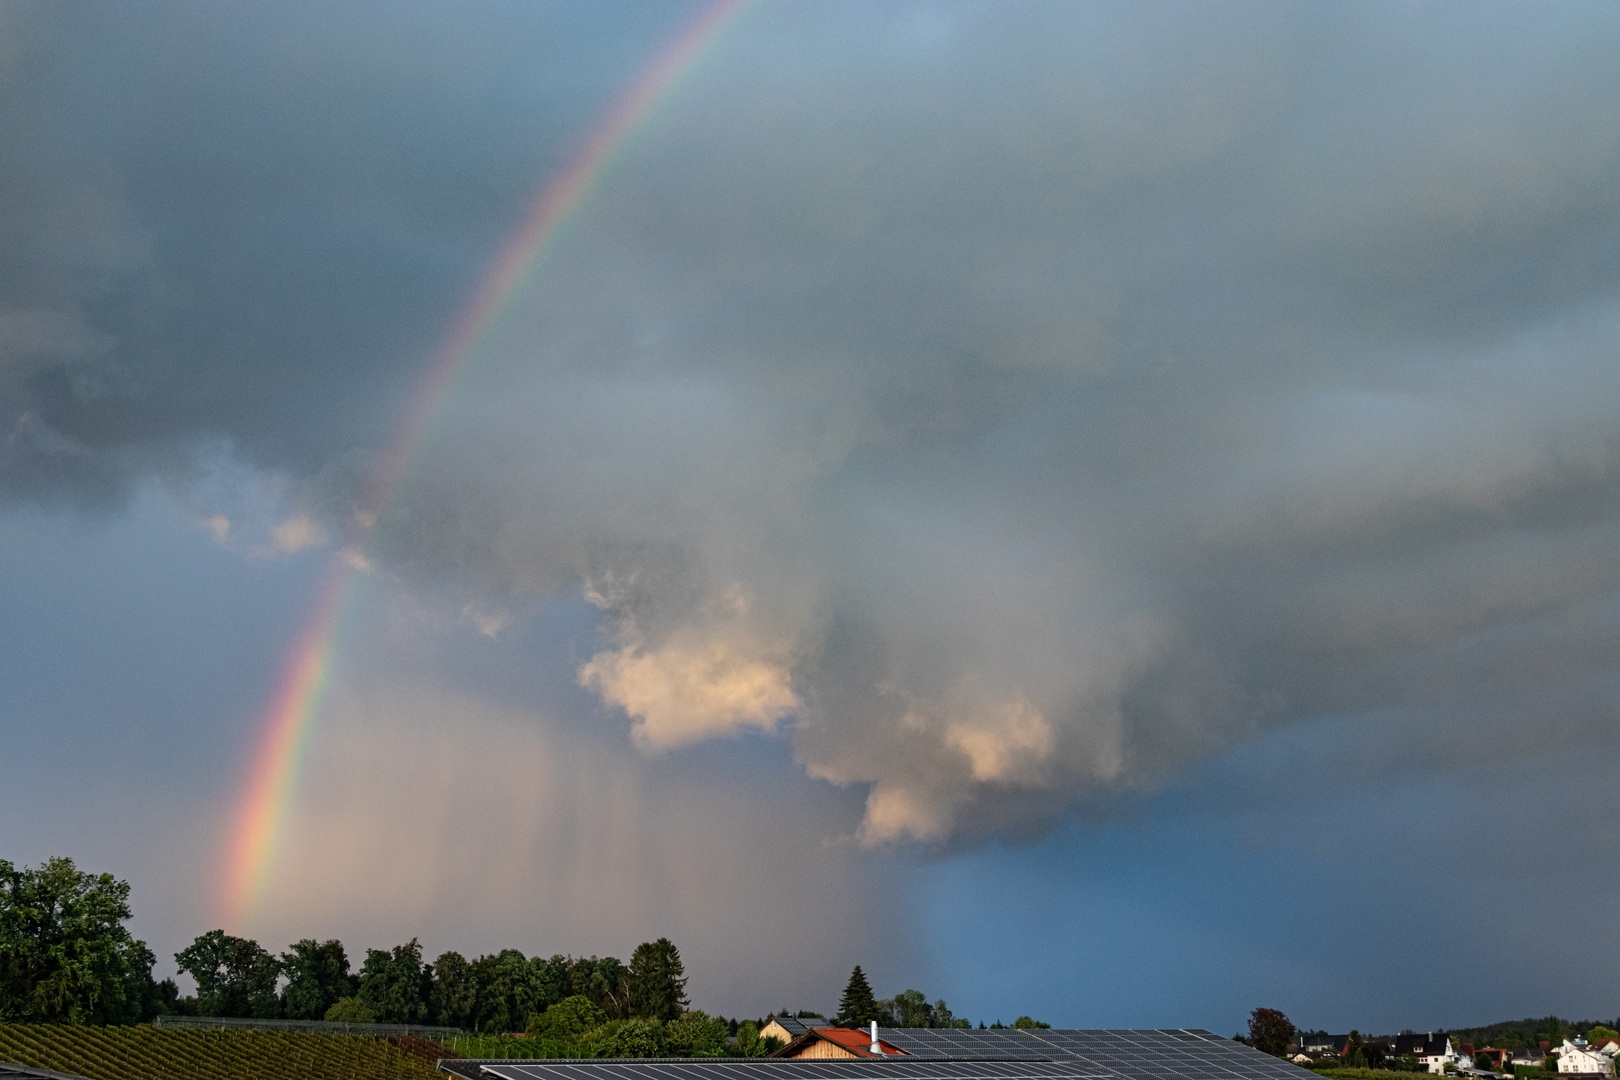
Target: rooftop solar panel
(947,1054)
(792,1069)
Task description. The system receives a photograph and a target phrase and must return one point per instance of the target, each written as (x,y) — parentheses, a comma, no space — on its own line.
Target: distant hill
(1515,1034)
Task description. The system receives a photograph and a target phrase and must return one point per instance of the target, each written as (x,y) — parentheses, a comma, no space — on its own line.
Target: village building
(838,1042)
(785,1028)
(1494,1058)
(1576,1058)
(1433,1051)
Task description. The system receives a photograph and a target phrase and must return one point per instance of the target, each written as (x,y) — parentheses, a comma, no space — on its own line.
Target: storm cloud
(1006,405)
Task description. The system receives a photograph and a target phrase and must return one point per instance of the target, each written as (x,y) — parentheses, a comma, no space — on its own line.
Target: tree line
(66,956)
(859,1006)
(498,992)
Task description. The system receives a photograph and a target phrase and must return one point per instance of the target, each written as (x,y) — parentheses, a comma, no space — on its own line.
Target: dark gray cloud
(1011,403)
(254,227)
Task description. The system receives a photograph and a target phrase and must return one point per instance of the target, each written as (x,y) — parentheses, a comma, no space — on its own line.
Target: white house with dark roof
(1433,1050)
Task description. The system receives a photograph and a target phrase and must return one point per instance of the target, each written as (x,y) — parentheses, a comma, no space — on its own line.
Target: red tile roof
(858,1041)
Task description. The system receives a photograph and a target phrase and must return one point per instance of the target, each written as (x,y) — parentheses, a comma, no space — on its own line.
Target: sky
(1099,511)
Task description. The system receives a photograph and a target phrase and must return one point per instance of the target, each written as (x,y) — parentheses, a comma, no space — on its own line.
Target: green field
(146,1053)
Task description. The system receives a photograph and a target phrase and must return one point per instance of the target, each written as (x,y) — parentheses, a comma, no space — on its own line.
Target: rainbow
(273,773)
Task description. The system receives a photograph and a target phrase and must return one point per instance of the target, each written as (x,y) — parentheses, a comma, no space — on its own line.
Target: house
(1531,1057)
(785,1028)
(1316,1045)
(1494,1058)
(1374,1051)
(837,1042)
(1576,1058)
(1433,1051)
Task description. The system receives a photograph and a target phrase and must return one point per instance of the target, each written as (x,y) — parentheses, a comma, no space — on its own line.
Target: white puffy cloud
(682,693)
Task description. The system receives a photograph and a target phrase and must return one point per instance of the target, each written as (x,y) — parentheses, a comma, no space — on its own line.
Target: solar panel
(946,1054)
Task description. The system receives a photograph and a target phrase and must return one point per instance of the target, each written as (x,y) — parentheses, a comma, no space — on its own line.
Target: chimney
(877,1048)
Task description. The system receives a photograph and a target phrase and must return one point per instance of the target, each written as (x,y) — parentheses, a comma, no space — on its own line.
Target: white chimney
(877,1048)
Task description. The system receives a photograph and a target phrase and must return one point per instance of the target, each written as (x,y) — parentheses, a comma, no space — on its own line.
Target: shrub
(696,1034)
(630,1039)
(350,1010)
(570,1020)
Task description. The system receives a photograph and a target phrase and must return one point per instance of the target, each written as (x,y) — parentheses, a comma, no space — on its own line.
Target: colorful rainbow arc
(273,775)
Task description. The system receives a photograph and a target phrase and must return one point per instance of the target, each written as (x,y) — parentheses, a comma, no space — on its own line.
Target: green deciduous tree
(858,1006)
(696,1034)
(604,980)
(395,985)
(546,985)
(636,1037)
(570,1020)
(65,954)
(508,988)
(1029,1023)
(657,981)
(749,1043)
(317,977)
(1270,1031)
(455,991)
(234,976)
(910,1009)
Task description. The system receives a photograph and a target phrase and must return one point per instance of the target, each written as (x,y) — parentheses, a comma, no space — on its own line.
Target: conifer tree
(858,1007)
(657,981)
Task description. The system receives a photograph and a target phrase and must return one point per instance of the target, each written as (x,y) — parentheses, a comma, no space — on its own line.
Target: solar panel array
(775,1069)
(966,1042)
(1168,1054)
(946,1054)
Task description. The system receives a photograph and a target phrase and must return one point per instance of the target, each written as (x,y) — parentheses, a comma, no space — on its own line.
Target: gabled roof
(791,1024)
(858,1043)
(1428,1044)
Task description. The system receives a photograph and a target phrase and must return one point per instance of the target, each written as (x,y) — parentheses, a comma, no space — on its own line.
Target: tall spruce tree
(657,981)
(858,1007)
